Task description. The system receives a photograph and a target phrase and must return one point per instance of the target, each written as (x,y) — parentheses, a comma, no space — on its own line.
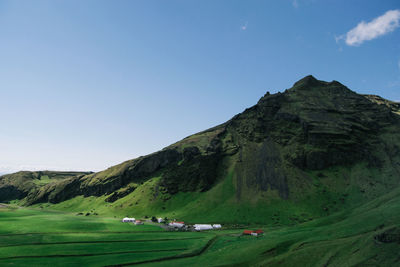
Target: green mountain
(316,149)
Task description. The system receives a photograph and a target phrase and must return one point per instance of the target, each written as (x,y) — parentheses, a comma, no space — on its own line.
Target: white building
(177,224)
(216,226)
(160,220)
(127,219)
(202,227)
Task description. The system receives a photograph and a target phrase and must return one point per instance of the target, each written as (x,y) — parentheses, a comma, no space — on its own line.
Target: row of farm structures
(174,224)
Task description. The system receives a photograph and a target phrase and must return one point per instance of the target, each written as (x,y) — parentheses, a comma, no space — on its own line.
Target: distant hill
(312,150)
(18,185)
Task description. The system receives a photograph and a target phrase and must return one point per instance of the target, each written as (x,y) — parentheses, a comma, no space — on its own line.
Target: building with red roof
(251,232)
(177,224)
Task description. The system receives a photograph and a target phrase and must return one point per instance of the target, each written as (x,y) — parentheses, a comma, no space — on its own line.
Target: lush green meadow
(349,238)
(40,238)
(367,235)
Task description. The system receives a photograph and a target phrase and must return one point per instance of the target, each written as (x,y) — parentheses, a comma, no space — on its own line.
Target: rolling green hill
(368,235)
(313,150)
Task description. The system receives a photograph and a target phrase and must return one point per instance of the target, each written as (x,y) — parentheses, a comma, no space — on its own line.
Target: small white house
(216,226)
(160,220)
(202,227)
(177,224)
(127,219)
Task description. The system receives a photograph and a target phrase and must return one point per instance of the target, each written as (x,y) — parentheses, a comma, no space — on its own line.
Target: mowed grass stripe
(191,254)
(95,232)
(94,261)
(98,248)
(93,254)
(23,221)
(99,241)
(27,239)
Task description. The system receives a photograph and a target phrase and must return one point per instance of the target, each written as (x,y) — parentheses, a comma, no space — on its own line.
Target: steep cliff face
(274,148)
(324,124)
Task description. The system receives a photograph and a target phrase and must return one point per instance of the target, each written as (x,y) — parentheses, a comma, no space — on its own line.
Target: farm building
(177,224)
(138,222)
(216,226)
(253,233)
(160,220)
(127,219)
(202,227)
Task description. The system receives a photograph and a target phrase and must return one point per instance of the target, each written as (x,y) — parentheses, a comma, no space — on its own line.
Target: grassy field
(40,238)
(368,235)
(349,238)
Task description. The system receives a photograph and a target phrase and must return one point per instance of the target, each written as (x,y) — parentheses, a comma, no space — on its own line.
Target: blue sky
(88,84)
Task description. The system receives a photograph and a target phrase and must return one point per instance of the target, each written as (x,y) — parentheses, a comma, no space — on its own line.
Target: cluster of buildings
(196,227)
(178,225)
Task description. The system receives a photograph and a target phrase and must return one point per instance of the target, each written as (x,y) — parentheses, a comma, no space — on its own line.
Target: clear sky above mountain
(88,84)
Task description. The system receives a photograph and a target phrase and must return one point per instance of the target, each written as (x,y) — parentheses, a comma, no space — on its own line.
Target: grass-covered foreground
(368,235)
(41,238)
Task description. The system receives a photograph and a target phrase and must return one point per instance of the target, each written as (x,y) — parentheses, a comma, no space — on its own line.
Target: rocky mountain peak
(307,81)
(310,85)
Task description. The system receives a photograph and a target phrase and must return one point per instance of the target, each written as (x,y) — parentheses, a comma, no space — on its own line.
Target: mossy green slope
(368,235)
(308,152)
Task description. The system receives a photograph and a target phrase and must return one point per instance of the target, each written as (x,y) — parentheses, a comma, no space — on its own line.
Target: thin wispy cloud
(244,26)
(366,31)
(295,3)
